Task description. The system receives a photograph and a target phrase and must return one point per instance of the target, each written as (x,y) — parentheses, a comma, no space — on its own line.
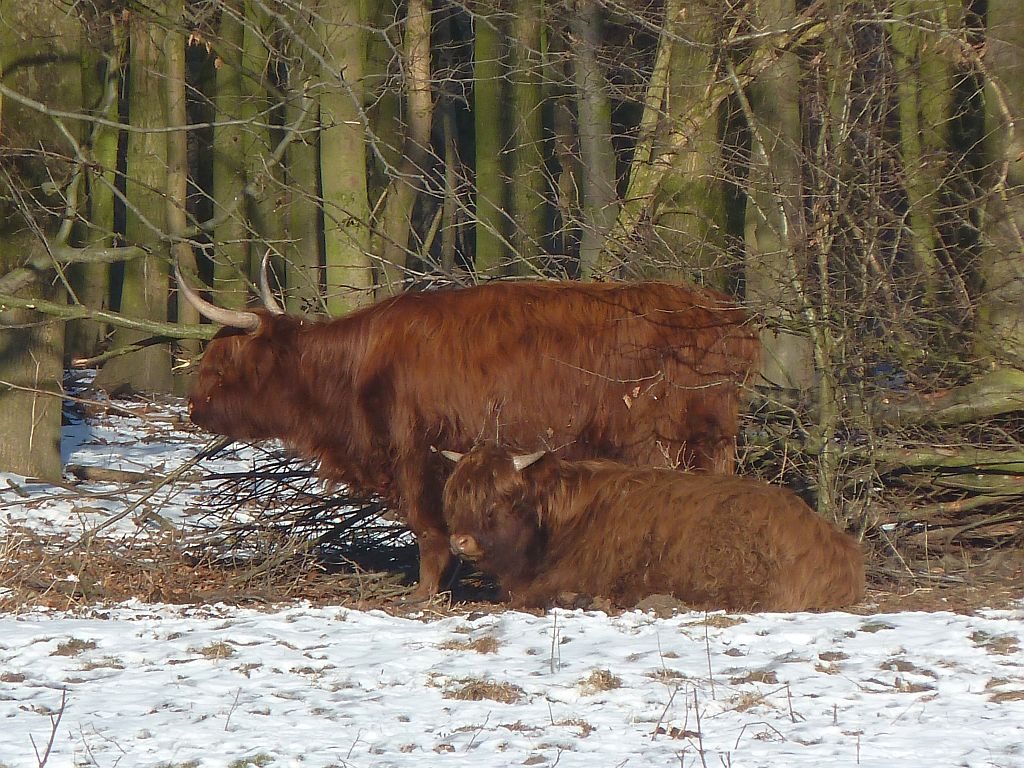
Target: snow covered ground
(148,685)
(296,685)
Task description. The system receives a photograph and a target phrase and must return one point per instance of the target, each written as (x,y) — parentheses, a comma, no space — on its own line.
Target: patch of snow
(144,684)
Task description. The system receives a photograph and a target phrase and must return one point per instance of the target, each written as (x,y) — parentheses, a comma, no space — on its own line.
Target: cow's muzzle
(464,545)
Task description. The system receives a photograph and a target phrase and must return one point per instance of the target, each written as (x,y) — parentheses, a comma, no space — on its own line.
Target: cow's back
(619,370)
(713,541)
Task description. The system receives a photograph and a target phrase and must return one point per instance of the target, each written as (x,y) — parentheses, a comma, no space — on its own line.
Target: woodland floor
(120,456)
(36,572)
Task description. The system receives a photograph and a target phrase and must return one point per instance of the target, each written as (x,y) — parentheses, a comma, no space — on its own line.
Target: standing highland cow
(543,526)
(647,373)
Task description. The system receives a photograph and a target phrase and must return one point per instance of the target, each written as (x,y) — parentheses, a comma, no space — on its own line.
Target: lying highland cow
(543,526)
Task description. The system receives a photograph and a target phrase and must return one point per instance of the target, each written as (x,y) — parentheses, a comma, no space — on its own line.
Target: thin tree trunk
(597,153)
(827,100)
(177,170)
(101,70)
(528,177)
(488,107)
(774,218)
(232,145)
(32,345)
(264,187)
(688,233)
(303,252)
(568,182)
(348,269)
(31,368)
(1000,331)
(925,88)
(404,186)
(644,172)
(144,292)
(452,180)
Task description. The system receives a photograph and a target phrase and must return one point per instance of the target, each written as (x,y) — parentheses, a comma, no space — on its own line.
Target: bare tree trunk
(597,153)
(488,106)
(233,143)
(650,170)
(31,369)
(775,268)
(1000,331)
(349,271)
(453,174)
(688,232)
(264,187)
(925,91)
(644,172)
(403,188)
(303,252)
(528,177)
(177,170)
(144,292)
(32,345)
(826,101)
(102,58)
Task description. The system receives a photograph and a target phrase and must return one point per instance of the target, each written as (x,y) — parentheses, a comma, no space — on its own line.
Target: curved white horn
(247,321)
(267,295)
(452,455)
(522,462)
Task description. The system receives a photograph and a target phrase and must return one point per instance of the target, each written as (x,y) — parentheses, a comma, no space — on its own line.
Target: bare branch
(77,312)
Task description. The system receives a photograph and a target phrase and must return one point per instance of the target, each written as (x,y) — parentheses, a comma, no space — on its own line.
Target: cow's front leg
(421,491)
(435,559)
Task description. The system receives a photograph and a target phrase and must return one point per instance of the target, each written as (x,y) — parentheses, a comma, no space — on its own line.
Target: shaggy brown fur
(604,528)
(643,372)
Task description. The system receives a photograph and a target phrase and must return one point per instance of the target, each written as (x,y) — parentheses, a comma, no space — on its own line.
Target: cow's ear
(522,462)
(452,456)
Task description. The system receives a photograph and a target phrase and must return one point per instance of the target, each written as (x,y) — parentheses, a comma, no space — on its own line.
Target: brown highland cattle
(643,372)
(544,526)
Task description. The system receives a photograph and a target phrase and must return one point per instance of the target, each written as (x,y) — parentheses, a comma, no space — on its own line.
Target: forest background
(850,170)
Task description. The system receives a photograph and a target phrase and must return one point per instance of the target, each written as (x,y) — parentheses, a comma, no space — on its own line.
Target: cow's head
(239,387)
(491,508)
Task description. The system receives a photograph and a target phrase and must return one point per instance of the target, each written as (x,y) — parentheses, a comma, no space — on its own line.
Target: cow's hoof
(418,596)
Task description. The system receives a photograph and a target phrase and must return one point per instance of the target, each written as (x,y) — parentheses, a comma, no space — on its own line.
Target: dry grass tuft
(485,644)
(108,662)
(585,728)
(718,621)
(833,656)
(902,665)
(875,626)
(1004,693)
(1000,645)
(765,676)
(73,647)
(520,727)
(748,701)
(478,690)
(675,732)
(666,675)
(217,650)
(599,680)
